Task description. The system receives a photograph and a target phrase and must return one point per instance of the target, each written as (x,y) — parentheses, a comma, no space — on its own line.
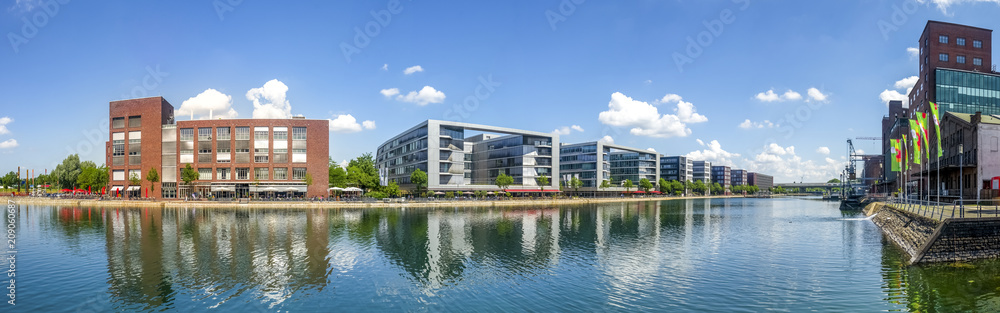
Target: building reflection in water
(157,256)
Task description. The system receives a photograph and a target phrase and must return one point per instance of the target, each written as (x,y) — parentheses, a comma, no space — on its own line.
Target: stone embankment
(927,240)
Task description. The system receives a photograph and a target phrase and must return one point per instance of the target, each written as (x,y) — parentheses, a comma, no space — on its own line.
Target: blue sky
(608,68)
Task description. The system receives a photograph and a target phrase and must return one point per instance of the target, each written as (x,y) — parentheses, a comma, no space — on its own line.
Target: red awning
(656,192)
(638,191)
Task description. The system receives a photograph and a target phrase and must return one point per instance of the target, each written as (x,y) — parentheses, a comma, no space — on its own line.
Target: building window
(260,155)
(134,121)
(187,134)
(260,173)
(118,122)
(960,41)
(204,174)
(298,133)
(977,61)
(299,155)
(242,173)
(222,133)
(134,174)
(118,149)
(298,173)
(168,190)
(242,133)
(960,59)
(280,133)
(260,133)
(280,173)
(222,173)
(943,39)
(118,175)
(943,57)
(280,156)
(204,133)
(977,44)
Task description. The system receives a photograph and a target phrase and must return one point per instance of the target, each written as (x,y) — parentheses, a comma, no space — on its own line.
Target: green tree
(717,189)
(503,181)
(833,181)
(419,179)
(542,182)
(361,172)
(449,195)
(605,184)
(392,190)
(134,180)
(87,177)
(699,187)
(576,183)
(189,175)
(678,187)
(153,177)
(664,186)
(338,176)
(67,172)
(308,179)
(102,177)
(9,180)
(628,185)
(645,185)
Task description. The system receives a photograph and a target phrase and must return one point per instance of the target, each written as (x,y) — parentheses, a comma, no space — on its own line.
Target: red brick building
(234,157)
(953,46)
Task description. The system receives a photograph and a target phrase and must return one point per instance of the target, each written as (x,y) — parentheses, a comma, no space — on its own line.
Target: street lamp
(961,194)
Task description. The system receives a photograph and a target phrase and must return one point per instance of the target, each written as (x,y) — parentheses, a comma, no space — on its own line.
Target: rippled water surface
(680,255)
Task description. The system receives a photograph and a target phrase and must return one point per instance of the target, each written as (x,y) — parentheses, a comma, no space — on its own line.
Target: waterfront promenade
(336,204)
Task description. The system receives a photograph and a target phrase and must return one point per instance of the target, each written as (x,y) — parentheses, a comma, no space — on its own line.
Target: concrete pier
(928,240)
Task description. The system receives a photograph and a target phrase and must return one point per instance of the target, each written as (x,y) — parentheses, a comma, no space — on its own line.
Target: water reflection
(659,256)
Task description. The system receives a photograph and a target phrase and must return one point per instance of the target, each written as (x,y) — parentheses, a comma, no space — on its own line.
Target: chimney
(976,119)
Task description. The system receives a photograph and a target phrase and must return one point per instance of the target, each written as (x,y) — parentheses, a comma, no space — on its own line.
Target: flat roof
(987,119)
(929,22)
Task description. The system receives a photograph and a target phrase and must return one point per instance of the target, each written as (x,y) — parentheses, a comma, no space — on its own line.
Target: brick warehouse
(234,157)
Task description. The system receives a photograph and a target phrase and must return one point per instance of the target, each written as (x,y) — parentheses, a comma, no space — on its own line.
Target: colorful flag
(906,159)
(926,128)
(937,127)
(897,155)
(916,133)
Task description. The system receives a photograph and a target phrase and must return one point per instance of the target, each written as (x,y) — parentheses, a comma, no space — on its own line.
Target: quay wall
(928,240)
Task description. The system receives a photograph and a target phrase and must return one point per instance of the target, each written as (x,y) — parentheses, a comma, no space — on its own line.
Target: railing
(943,210)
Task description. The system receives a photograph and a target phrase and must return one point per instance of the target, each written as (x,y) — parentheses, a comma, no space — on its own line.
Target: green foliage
(605,184)
(575,183)
(153,177)
(479,193)
(678,187)
(189,175)
(717,189)
(449,194)
(645,185)
(503,181)
(134,180)
(361,172)
(308,179)
(833,181)
(699,187)
(392,189)
(67,172)
(92,177)
(9,180)
(377,195)
(338,176)
(665,186)
(419,179)
(542,181)
(628,185)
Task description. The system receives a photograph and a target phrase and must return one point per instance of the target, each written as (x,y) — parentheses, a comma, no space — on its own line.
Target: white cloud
(647,82)
(3,125)
(269,100)
(208,104)
(944,4)
(10,143)
(791,95)
(768,96)
(566,130)
(914,52)
(786,166)
(816,95)
(607,139)
(344,164)
(747,124)
(385,67)
(345,123)
(368,124)
(823,150)
(700,143)
(714,154)
(669,98)
(651,149)
(646,120)
(426,95)
(413,69)
(905,83)
(389,92)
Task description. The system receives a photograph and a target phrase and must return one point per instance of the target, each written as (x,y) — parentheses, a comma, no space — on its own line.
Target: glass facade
(967,92)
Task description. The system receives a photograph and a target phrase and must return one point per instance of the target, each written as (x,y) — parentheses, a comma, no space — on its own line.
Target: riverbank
(945,239)
(334,204)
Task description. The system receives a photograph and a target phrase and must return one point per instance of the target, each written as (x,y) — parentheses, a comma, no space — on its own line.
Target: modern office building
(762,181)
(464,157)
(596,161)
(679,168)
(739,177)
(956,70)
(233,157)
(722,175)
(701,170)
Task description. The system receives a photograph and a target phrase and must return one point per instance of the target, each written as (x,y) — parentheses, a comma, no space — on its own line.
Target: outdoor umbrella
(438,193)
